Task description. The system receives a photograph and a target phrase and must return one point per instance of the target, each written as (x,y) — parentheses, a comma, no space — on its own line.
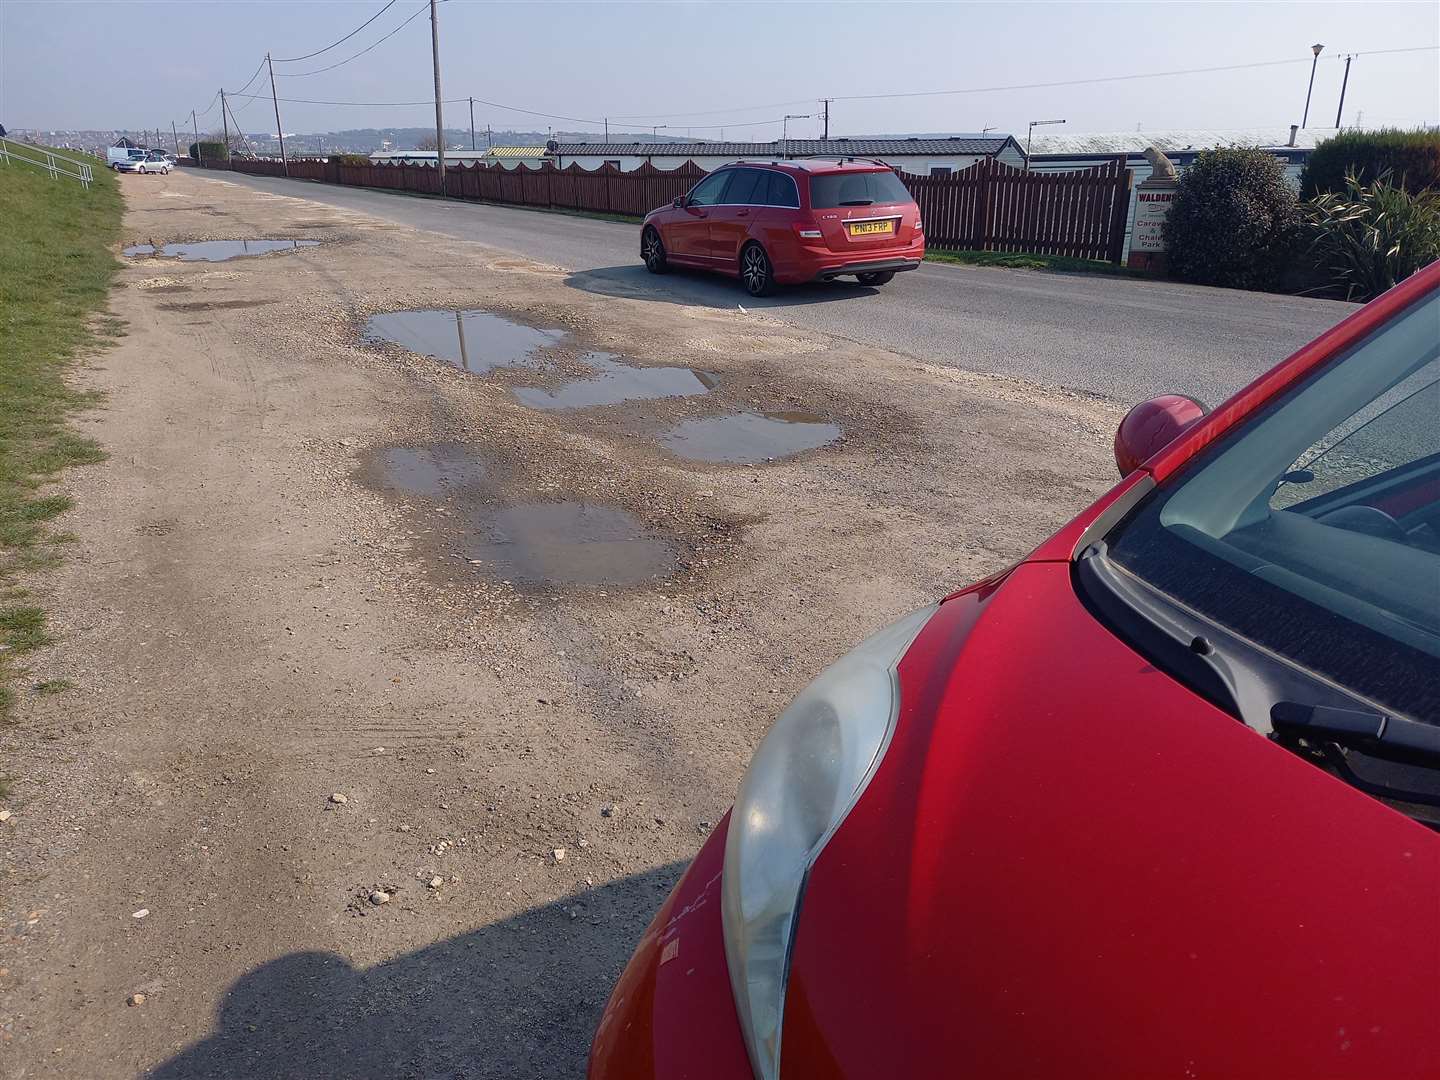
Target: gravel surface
(335,796)
(1124,338)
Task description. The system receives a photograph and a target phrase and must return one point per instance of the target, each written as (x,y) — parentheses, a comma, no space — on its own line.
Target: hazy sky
(141,63)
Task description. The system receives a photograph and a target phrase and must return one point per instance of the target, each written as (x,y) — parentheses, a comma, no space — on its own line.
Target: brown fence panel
(995,207)
(988,207)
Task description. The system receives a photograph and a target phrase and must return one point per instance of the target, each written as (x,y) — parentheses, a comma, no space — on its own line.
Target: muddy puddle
(218,250)
(617,381)
(566,543)
(748,438)
(473,341)
(442,472)
(539,543)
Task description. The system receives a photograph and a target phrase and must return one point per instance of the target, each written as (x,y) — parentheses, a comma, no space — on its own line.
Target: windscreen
(1314,529)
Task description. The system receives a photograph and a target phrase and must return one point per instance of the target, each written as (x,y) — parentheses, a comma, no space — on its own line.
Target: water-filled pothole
(218,250)
(567,543)
(474,341)
(617,382)
(441,471)
(748,438)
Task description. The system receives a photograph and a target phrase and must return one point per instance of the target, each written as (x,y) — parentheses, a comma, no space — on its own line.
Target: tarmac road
(1122,338)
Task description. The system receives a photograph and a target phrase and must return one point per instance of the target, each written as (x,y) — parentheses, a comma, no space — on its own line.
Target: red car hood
(1070,865)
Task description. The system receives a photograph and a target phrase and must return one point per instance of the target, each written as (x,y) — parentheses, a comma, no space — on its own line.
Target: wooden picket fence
(992,206)
(987,207)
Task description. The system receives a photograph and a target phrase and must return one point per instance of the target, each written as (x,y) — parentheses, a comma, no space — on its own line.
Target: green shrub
(351,159)
(1233,220)
(210,151)
(1370,236)
(1411,157)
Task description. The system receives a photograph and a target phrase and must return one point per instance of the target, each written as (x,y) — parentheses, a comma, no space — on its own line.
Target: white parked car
(153,162)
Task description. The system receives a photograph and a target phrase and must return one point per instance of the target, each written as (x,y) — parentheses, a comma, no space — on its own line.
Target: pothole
(617,382)
(441,471)
(217,250)
(566,543)
(748,438)
(473,341)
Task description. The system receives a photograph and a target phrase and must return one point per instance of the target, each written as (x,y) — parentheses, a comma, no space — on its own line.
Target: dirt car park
(401,703)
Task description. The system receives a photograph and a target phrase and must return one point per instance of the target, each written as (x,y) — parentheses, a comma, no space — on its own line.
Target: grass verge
(56,268)
(1016,260)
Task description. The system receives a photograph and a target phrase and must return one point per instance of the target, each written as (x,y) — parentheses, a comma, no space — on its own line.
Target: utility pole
(225,123)
(607,129)
(825,102)
(175,138)
(1316,49)
(199,157)
(1343,83)
(439,120)
(472,123)
(489,142)
(279,131)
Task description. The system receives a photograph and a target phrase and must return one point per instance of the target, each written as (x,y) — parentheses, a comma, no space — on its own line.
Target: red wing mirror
(1151,426)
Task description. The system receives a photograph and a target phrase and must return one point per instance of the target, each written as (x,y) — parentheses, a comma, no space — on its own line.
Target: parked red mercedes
(1160,800)
(769,222)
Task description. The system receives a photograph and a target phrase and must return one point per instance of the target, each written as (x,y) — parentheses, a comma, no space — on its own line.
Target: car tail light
(919,225)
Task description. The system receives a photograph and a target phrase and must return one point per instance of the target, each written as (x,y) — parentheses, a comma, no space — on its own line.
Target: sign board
(1152,207)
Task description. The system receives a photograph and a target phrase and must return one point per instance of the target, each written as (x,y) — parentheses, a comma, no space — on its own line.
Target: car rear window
(830,190)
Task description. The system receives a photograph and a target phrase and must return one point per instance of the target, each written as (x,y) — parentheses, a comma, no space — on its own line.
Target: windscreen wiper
(1376,734)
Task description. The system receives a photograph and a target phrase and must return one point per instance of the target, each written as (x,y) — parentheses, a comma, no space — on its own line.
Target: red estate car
(789,222)
(1159,801)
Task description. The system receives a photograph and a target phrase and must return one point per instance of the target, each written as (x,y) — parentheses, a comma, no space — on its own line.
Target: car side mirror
(679,203)
(1151,426)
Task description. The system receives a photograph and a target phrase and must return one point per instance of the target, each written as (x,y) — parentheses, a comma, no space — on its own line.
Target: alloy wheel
(755,270)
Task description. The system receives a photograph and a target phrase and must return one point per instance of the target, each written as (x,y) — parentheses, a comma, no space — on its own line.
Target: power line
(366,104)
(258,68)
(532,112)
(846,97)
(301,74)
(712,112)
(1112,78)
(1015,86)
(347,37)
(205,111)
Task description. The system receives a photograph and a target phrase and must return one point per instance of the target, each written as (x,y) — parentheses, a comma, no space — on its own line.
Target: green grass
(53,686)
(1015,260)
(56,267)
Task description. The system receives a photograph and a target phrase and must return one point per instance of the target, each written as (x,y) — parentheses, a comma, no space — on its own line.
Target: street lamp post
(1031,134)
(1316,50)
(785,129)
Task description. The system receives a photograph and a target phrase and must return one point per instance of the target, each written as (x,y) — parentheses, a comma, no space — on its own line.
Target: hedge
(1411,157)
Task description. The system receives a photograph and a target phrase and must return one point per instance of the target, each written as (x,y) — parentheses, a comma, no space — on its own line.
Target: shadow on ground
(695,287)
(519,998)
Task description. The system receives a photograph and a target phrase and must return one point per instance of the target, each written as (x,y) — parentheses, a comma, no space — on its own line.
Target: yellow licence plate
(871,228)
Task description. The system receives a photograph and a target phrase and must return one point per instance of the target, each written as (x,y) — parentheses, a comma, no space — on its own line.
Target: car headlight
(807,773)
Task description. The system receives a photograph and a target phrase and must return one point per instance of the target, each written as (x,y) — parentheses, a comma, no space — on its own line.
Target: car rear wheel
(756,271)
(652,250)
(875,277)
